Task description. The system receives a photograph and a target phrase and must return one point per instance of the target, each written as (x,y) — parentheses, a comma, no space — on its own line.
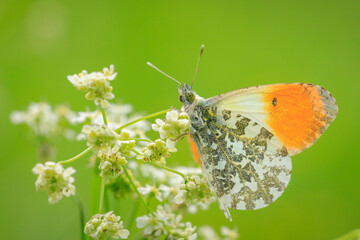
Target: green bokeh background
(247,43)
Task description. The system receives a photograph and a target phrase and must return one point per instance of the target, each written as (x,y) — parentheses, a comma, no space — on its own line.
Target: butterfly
(245,138)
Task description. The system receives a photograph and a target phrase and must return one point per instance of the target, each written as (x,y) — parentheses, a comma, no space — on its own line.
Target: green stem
(102,189)
(137,191)
(106,200)
(164,167)
(169,169)
(140,119)
(142,199)
(173,171)
(141,140)
(95,188)
(136,152)
(81,215)
(76,157)
(104,115)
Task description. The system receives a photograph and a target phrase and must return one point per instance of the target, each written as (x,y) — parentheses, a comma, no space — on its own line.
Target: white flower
(165,190)
(111,162)
(229,234)
(180,197)
(117,115)
(55,180)
(80,81)
(195,190)
(151,189)
(109,73)
(207,232)
(96,85)
(154,226)
(189,232)
(102,226)
(39,117)
(156,152)
(99,137)
(45,121)
(174,126)
(125,144)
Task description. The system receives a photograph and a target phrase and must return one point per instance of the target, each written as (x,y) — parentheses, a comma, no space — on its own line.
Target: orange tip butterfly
(245,138)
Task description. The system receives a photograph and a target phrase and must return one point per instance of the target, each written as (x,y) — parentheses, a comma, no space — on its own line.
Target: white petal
(144,190)
(124,233)
(172,115)
(142,221)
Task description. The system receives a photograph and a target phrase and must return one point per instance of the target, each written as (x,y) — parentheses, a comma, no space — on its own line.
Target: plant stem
(136,152)
(76,157)
(141,140)
(169,169)
(104,115)
(81,215)
(142,199)
(102,189)
(95,188)
(172,170)
(164,167)
(137,191)
(140,119)
(106,200)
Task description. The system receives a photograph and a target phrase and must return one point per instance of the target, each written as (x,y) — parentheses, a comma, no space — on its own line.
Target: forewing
(297,113)
(246,166)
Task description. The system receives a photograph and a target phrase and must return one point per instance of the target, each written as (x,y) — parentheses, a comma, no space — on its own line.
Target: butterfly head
(186,95)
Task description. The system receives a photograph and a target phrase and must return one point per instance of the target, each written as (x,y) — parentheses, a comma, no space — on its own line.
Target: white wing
(246,166)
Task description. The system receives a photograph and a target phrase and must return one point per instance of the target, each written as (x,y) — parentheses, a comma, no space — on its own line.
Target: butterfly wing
(246,166)
(296,113)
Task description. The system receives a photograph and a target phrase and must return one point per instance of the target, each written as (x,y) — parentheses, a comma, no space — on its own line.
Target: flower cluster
(111,162)
(45,121)
(102,226)
(174,126)
(163,190)
(96,85)
(99,136)
(164,221)
(117,115)
(229,234)
(207,232)
(55,180)
(179,190)
(156,152)
(195,189)
(126,145)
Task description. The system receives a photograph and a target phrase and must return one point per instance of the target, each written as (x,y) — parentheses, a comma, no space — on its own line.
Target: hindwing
(246,166)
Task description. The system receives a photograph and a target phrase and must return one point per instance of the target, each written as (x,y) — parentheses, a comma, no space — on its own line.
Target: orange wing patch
(298,113)
(194,150)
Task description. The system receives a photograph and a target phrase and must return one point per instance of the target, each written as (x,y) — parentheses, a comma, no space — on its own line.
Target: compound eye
(190,96)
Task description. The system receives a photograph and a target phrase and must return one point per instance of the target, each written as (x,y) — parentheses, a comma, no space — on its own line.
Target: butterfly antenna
(197,65)
(151,65)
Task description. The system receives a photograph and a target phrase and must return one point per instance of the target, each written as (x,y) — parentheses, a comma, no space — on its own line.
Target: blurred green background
(247,43)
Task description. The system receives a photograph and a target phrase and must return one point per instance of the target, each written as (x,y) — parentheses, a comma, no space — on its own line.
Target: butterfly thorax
(193,105)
